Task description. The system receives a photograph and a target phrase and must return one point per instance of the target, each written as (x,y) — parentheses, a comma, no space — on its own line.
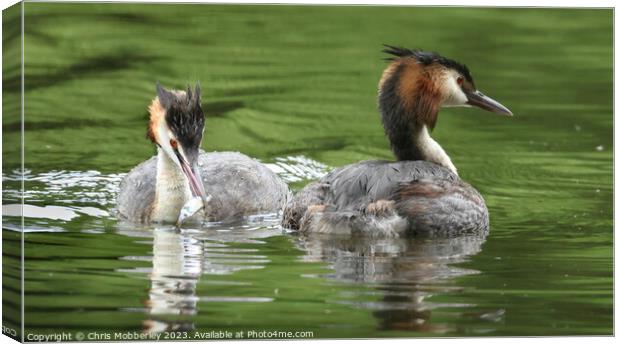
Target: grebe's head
(421,82)
(176,126)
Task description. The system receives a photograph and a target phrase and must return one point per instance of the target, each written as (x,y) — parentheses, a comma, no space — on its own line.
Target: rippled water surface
(295,87)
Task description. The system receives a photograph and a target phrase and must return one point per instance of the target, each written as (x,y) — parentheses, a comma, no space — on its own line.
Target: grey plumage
(427,198)
(238,186)
(137,192)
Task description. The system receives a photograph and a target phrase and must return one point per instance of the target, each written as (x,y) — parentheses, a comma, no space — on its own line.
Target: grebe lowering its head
(226,185)
(421,192)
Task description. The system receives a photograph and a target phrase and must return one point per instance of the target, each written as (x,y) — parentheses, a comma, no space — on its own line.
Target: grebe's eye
(173,143)
(459,80)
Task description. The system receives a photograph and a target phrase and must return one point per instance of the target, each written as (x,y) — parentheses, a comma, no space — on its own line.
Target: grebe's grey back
(231,184)
(419,193)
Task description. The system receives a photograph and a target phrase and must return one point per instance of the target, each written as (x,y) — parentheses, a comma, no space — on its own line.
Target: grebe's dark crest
(230,184)
(421,192)
(183,115)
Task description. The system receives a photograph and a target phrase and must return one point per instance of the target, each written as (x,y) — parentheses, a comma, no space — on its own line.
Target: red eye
(173,143)
(459,80)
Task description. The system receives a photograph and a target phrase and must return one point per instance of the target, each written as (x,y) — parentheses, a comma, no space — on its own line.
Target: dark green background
(282,81)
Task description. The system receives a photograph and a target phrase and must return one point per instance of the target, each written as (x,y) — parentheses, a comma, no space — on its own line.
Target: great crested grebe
(419,193)
(231,185)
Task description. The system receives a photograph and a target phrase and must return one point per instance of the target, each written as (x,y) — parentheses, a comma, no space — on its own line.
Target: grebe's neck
(406,118)
(171,189)
(429,149)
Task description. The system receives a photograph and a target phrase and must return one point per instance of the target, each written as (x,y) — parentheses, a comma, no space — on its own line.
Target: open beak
(476,98)
(195,182)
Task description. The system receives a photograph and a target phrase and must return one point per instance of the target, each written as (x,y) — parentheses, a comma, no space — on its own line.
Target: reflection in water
(177,266)
(404,272)
(183,258)
(394,279)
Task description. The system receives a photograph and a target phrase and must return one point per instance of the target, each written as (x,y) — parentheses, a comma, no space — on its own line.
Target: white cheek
(454,94)
(163,137)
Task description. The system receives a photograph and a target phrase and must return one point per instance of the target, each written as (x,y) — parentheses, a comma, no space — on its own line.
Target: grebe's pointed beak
(193,176)
(476,98)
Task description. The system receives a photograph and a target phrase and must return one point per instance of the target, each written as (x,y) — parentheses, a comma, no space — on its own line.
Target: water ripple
(298,168)
(68,195)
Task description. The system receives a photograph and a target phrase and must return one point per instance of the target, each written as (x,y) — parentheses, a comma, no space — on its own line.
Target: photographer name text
(178,335)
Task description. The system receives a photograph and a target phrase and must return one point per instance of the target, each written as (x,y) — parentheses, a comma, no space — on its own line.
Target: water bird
(230,184)
(420,193)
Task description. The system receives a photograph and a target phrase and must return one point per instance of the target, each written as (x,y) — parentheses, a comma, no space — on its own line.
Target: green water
(295,86)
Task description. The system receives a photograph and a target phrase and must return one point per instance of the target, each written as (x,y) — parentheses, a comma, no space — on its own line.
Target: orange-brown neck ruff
(409,99)
(419,92)
(157,114)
